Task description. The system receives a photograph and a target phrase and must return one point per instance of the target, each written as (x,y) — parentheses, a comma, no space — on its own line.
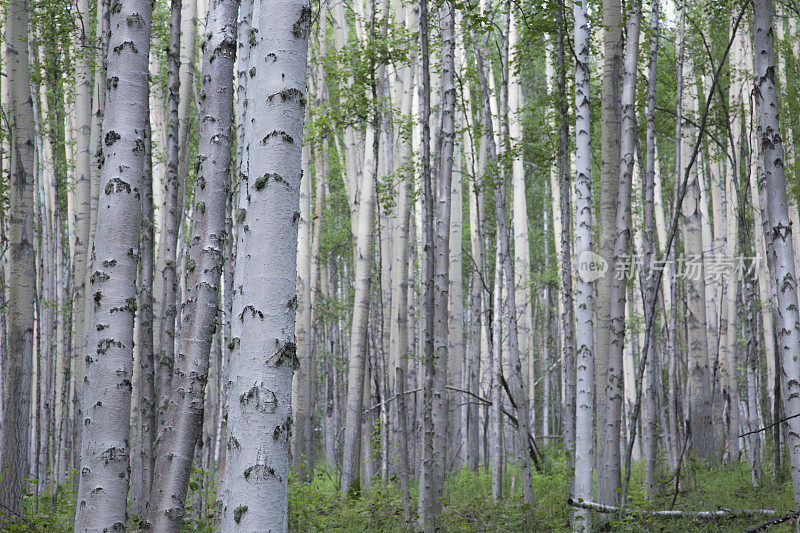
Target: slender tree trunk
(457,403)
(304,376)
(81,336)
(259,413)
(399,327)
(672,350)
(358,334)
(608,474)
(701,420)
(107,386)
(147,427)
(18,363)
(773,184)
(565,214)
(441,249)
(184,414)
(584,290)
(172,221)
(83,177)
(650,419)
(614,388)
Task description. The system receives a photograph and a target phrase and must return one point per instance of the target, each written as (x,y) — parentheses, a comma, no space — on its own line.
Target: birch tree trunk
(304,376)
(701,420)
(172,221)
(146,429)
(522,261)
(457,403)
(610,467)
(83,177)
(650,419)
(584,290)
(263,357)
(432,503)
(18,363)
(358,333)
(103,482)
(184,416)
(565,215)
(772,183)
(399,327)
(608,474)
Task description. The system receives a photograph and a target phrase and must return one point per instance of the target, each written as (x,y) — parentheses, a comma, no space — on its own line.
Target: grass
(468,506)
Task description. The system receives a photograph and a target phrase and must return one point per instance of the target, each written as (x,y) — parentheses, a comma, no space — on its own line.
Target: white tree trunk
(17,367)
(609,430)
(184,414)
(650,420)
(584,290)
(172,221)
(608,475)
(107,385)
(263,357)
(773,183)
(701,421)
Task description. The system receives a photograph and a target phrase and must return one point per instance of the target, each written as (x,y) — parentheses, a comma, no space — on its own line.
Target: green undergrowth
(468,505)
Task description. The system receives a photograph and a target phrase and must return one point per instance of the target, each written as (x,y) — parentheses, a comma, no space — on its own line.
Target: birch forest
(399,265)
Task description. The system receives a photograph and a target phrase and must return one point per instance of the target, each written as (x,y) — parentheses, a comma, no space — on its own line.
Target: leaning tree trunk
(18,363)
(104,473)
(584,293)
(772,182)
(264,355)
(184,416)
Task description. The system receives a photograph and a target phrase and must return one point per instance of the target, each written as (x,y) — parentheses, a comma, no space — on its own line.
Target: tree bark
(584,290)
(184,416)
(172,221)
(263,353)
(701,420)
(610,467)
(107,385)
(608,475)
(772,182)
(650,419)
(18,363)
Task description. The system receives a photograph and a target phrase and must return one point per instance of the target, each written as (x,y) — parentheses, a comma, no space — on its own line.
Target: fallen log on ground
(774,522)
(719,513)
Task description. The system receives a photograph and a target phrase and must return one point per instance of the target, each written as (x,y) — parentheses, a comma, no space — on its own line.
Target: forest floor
(468,505)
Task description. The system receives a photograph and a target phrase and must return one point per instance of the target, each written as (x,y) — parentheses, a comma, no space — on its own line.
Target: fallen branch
(769,426)
(719,513)
(533,448)
(775,522)
(393,398)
